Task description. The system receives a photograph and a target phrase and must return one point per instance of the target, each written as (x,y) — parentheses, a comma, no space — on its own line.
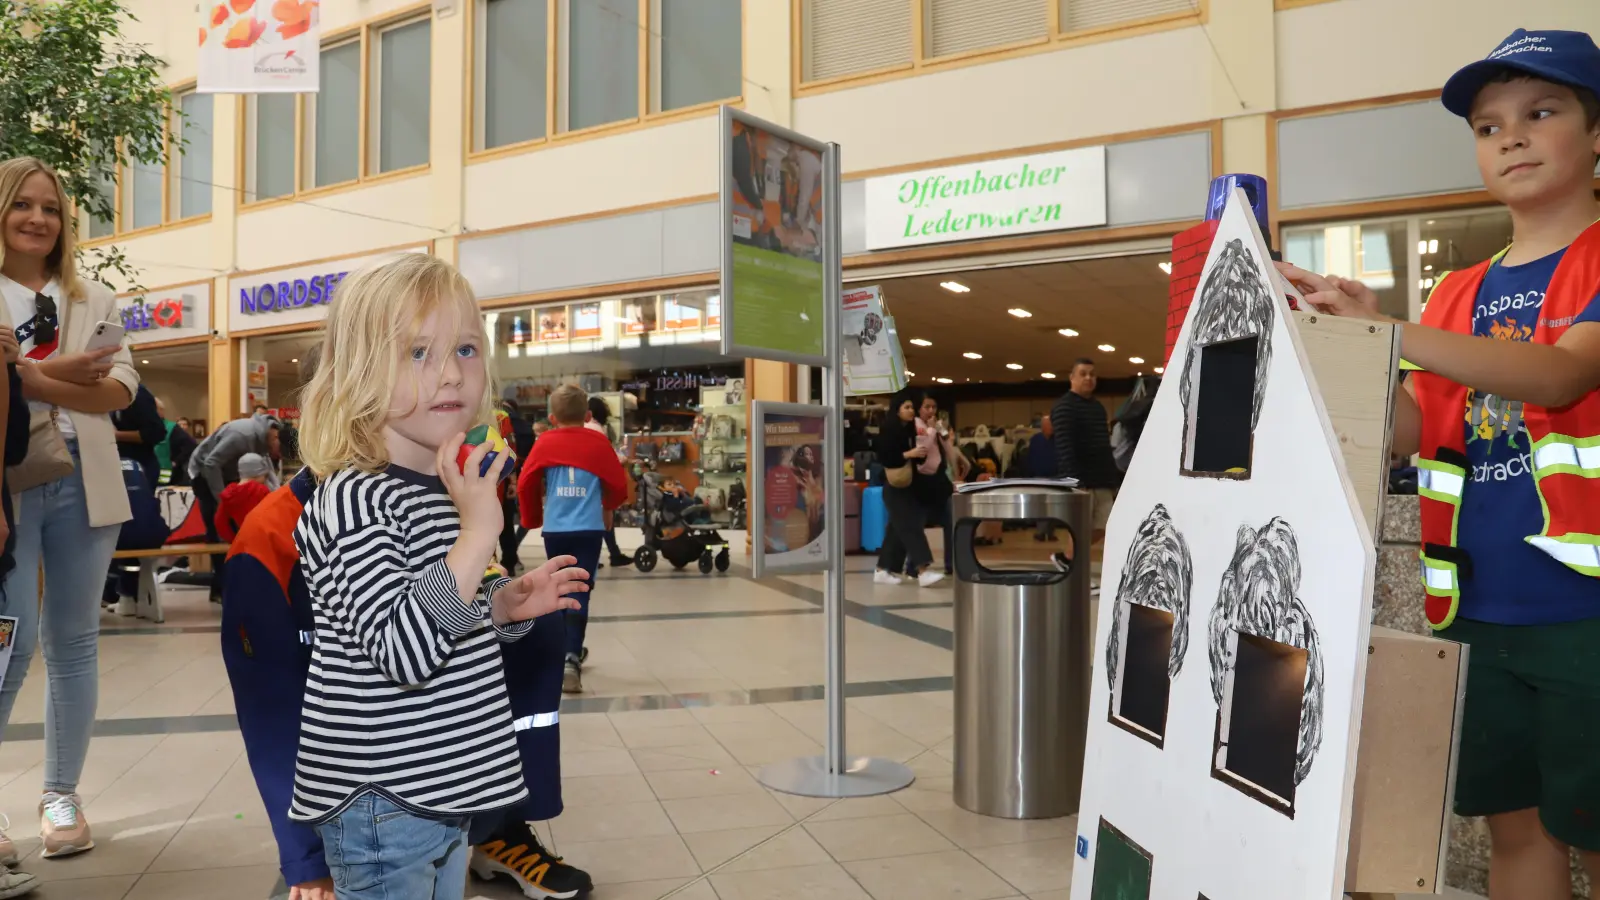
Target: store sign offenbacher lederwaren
(998,198)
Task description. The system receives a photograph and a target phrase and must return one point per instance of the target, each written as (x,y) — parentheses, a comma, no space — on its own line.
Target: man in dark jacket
(1083,443)
(215,465)
(139,431)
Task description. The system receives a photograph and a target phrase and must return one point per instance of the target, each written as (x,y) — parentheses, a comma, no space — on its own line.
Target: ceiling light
(1013,366)
(955,287)
(970,355)
(1159,370)
(1165,267)
(1136,360)
(1047,375)
(295,360)
(910,374)
(1067,332)
(942,380)
(1433,245)
(1422,246)
(1020,313)
(921,343)
(144,362)
(1107,348)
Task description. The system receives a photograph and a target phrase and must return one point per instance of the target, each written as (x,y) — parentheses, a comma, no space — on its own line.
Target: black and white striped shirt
(406,695)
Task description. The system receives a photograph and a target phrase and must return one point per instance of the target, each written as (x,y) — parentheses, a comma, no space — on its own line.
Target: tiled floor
(694,683)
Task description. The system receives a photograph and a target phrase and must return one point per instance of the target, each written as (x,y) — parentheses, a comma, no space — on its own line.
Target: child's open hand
(544,590)
(476,495)
(1331,294)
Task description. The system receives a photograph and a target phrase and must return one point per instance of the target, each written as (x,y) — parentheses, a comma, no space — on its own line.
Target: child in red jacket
(568,487)
(239,498)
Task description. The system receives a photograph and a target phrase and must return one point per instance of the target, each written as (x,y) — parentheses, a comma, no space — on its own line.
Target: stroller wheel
(722,561)
(705,563)
(644,559)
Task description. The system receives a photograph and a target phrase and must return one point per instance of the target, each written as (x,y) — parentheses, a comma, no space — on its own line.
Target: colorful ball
(497,445)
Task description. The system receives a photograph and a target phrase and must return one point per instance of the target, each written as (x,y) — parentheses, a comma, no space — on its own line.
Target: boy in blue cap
(1505,413)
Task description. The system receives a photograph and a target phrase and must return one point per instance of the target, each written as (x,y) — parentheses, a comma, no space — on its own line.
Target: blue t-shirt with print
(1512,582)
(572,501)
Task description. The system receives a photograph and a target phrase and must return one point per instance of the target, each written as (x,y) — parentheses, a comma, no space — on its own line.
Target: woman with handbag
(905,545)
(71,500)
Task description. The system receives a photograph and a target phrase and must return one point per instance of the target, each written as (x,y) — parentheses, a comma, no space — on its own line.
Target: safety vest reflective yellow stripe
(542,720)
(1444,481)
(1558,454)
(1575,551)
(1439,578)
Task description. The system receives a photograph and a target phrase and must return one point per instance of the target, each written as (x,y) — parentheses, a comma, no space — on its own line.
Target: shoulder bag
(48,458)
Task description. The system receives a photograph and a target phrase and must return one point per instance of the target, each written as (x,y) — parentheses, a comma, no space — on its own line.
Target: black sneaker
(515,852)
(621,561)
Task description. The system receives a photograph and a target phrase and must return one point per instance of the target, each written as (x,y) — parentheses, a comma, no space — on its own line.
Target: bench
(147,602)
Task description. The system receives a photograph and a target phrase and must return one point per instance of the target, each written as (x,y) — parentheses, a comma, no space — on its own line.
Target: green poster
(1121,867)
(777,302)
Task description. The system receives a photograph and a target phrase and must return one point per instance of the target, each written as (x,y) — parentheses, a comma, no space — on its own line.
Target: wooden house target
(1235,618)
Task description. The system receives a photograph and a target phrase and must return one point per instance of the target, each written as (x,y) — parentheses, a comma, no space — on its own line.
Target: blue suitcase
(874,519)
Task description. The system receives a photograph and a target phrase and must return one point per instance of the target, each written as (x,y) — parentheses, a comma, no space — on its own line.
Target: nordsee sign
(296,295)
(999,198)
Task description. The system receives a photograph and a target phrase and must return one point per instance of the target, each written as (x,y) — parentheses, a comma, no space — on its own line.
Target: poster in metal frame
(803,482)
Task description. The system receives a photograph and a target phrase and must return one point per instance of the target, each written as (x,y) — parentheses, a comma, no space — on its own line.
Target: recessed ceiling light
(1047,375)
(1013,366)
(921,343)
(1159,370)
(955,287)
(910,374)
(1165,267)
(1020,313)
(1067,332)
(144,362)
(970,355)
(1136,360)
(942,380)
(1107,348)
(295,360)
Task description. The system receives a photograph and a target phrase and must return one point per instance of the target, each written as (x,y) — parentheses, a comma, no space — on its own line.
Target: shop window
(190,170)
(1219,432)
(333,119)
(513,45)
(1143,682)
(269,148)
(400,97)
(853,37)
(1258,723)
(966,26)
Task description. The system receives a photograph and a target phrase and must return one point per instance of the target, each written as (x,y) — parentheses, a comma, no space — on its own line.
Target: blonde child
(407,732)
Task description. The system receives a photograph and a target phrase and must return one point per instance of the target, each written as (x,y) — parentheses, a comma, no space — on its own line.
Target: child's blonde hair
(62,262)
(374,318)
(569,405)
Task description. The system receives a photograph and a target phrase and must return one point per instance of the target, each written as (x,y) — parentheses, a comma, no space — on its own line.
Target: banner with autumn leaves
(259,47)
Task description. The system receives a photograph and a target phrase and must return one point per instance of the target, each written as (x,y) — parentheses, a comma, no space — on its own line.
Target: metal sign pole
(835,774)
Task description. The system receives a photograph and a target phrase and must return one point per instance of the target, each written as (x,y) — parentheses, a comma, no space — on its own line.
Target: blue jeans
(585,547)
(53,526)
(378,851)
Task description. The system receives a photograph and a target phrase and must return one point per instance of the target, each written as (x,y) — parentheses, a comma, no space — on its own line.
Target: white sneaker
(8,851)
(16,884)
(127,606)
(62,825)
(883,576)
(930,577)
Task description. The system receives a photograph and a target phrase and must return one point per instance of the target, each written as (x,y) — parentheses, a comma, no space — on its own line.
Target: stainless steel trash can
(1022,659)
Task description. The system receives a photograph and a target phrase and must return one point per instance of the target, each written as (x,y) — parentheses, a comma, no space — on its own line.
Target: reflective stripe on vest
(542,720)
(1441,587)
(1558,454)
(1441,481)
(1573,551)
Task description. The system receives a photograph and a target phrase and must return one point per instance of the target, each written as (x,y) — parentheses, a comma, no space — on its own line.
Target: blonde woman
(394,545)
(71,501)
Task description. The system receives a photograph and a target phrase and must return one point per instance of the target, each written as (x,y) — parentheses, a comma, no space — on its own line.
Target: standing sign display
(774,221)
(259,47)
(872,360)
(789,532)
(782,280)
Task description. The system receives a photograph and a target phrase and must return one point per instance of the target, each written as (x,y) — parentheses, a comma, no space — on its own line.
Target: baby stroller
(664,520)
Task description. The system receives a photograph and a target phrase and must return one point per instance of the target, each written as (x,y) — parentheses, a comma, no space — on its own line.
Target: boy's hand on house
(1331,294)
(544,590)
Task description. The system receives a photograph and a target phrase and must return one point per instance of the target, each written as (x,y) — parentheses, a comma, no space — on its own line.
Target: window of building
(150,195)
(191,169)
(363,121)
(400,97)
(142,186)
(549,67)
(841,40)
(104,227)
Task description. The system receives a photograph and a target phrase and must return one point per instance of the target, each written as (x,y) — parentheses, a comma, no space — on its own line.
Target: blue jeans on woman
(378,851)
(53,527)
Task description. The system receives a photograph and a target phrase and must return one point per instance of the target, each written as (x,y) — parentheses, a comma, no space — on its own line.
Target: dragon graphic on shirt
(1489,416)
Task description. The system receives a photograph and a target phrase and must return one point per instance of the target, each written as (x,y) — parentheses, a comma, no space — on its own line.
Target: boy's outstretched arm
(1549,375)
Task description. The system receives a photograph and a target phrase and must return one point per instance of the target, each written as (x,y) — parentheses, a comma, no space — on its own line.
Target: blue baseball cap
(1562,57)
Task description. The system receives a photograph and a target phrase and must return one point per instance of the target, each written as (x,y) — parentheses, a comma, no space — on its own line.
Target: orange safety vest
(1566,441)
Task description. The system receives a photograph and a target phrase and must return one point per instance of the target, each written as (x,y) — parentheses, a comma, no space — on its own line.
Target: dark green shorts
(1530,735)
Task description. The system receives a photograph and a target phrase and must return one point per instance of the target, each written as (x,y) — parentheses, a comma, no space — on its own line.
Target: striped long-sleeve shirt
(405,694)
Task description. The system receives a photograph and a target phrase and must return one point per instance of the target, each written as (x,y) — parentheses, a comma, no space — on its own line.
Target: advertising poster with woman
(790,489)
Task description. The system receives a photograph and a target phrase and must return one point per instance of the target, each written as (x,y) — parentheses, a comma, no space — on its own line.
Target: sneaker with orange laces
(62,825)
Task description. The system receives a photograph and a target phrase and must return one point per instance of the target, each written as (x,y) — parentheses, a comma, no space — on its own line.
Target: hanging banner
(789,488)
(259,47)
(774,240)
(872,360)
